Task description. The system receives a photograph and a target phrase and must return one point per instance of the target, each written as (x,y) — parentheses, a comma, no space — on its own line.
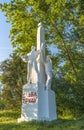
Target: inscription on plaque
(29,97)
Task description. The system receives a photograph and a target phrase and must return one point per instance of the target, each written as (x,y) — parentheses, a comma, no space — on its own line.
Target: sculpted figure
(31,58)
(48,69)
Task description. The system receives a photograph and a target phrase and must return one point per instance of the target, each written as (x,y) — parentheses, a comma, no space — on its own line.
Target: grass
(8,121)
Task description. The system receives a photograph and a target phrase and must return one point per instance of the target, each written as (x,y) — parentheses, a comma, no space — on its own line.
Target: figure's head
(33,48)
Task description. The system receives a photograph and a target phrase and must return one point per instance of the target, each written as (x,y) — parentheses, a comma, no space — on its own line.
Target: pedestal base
(29,110)
(46,104)
(37,103)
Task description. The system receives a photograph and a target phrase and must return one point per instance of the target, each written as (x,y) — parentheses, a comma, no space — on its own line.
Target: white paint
(46,104)
(38,101)
(29,110)
(41,42)
(48,70)
(32,67)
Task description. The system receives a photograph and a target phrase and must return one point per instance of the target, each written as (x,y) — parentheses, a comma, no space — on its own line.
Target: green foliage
(63,21)
(69,96)
(2,106)
(65,32)
(13,76)
(25,15)
(8,121)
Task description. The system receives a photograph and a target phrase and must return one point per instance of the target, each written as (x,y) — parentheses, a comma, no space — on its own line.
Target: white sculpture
(48,69)
(31,58)
(37,102)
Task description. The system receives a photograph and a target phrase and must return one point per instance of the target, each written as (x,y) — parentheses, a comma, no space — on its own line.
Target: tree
(60,30)
(63,23)
(13,76)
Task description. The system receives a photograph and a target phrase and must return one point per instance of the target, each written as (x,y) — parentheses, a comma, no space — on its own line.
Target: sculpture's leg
(29,72)
(48,82)
(35,66)
(36,69)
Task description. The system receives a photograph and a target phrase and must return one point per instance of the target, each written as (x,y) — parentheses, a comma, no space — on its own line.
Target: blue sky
(5,46)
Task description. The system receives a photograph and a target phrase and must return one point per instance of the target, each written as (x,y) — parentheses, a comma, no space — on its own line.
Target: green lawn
(8,121)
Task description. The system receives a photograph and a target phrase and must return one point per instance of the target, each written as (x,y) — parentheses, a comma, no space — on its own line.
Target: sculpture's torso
(32,57)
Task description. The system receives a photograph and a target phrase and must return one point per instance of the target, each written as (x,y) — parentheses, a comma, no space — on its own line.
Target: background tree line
(63,21)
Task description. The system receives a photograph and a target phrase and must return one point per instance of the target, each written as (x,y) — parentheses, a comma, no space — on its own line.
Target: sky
(5,46)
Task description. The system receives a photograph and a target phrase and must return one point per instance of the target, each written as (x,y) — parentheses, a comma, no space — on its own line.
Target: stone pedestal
(29,110)
(46,104)
(38,103)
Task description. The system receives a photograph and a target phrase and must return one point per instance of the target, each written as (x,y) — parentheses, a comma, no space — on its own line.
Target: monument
(38,100)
